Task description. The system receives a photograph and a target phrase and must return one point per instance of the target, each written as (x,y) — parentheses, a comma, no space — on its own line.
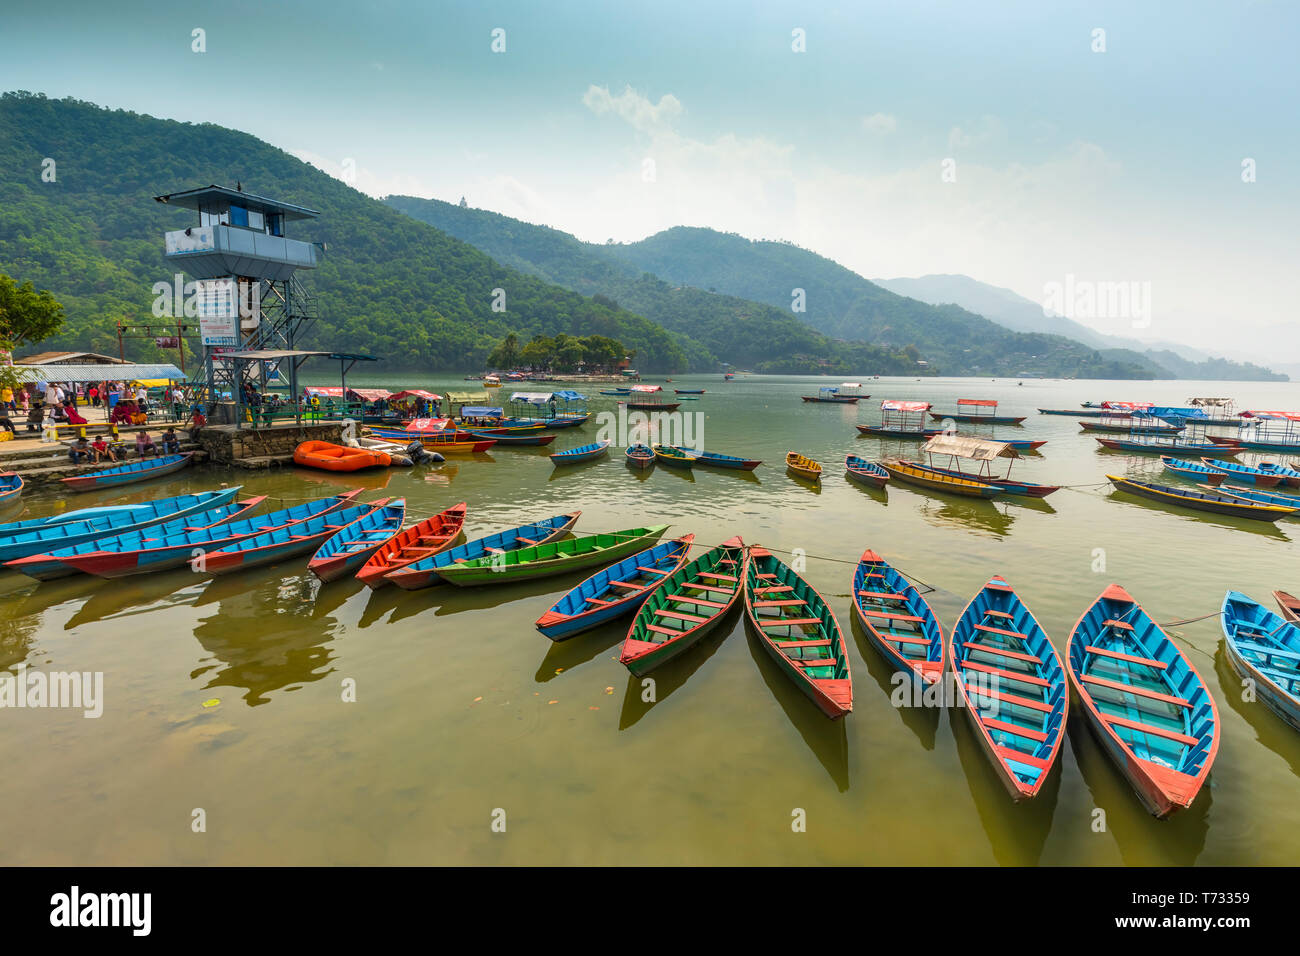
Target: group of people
(84,450)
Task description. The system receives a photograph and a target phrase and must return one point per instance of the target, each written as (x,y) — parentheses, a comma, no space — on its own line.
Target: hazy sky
(1122,165)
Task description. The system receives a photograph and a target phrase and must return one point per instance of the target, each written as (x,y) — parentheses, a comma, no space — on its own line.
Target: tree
(505,355)
(26,316)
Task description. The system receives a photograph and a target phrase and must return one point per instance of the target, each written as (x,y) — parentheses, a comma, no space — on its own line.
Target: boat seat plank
(671,632)
(1132,689)
(984,691)
(1158,665)
(1150,729)
(1005,633)
(1121,625)
(717,577)
(1008,754)
(995,586)
(883,595)
(787,645)
(688,599)
(1027,733)
(812,661)
(892,617)
(626,585)
(900,638)
(598,602)
(1002,614)
(651,570)
(1009,675)
(708,587)
(793,602)
(678,615)
(774,589)
(766,577)
(785,621)
(1265,649)
(1000,652)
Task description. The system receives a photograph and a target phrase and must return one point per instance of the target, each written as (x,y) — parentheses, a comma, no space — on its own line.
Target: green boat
(554,557)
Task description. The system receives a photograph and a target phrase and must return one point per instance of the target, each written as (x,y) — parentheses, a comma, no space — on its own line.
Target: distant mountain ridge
(1018,312)
(695,291)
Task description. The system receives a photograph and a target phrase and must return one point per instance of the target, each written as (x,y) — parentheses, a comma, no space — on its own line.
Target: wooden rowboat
(554,557)
(1266,475)
(865,472)
(448,443)
(508,440)
(1211,501)
(1012,686)
(1254,496)
(421,540)
(128,474)
(1264,649)
(913,473)
(690,603)
(1289,604)
(349,548)
(639,456)
(799,630)
(1132,426)
(427,571)
(279,544)
(1167,447)
(891,431)
(1144,700)
(689,391)
(129,554)
(674,457)
(1009,486)
(711,459)
(51,565)
(1193,470)
(803,466)
(614,591)
(43,537)
(11,486)
(898,621)
(573,456)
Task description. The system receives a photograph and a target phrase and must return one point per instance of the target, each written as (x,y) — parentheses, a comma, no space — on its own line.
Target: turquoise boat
(1266,474)
(614,591)
(427,571)
(286,542)
(1194,470)
(1144,700)
(1264,649)
(65,534)
(128,554)
(712,459)
(145,469)
(639,456)
(573,456)
(47,567)
(11,486)
(898,621)
(346,551)
(1259,497)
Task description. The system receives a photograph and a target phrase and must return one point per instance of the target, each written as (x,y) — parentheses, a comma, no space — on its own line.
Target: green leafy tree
(26,317)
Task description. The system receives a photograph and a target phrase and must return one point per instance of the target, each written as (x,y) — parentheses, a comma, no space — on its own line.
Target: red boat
(418,541)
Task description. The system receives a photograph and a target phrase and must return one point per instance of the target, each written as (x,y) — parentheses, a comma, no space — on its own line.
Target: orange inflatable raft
(328,457)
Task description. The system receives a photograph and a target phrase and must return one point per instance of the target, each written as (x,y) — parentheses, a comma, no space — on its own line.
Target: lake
(227,695)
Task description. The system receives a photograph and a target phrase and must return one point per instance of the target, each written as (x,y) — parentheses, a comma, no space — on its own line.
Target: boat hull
(917,434)
(112,477)
(421,540)
(410,577)
(467,576)
(1176,451)
(1008,485)
(1201,501)
(981,419)
(911,474)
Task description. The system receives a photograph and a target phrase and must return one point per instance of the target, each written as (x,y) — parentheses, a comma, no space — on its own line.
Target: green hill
(387,286)
(738,331)
(717,287)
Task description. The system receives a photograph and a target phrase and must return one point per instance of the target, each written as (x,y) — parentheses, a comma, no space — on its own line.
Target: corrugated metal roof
(99,373)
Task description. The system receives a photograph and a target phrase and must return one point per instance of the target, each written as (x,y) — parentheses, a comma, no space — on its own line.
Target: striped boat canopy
(99,373)
(982,402)
(896,406)
(975,449)
(647,388)
(417,393)
(1281,416)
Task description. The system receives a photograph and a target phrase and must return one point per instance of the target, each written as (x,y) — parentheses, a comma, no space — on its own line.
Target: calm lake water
(463,709)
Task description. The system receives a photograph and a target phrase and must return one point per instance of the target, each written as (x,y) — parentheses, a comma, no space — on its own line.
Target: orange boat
(428,537)
(330,457)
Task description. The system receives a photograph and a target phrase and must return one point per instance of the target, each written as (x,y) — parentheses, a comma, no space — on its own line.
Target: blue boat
(128,554)
(616,391)
(1145,701)
(865,472)
(347,550)
(614,591)
(47,567)
(1264,648)
(286,542)
(1260,497)
(898,620)
(688,391)
(76,514)
(639,456)
(567,421)
(582,453)
(715,460)
(1266,474)
(143,470)
(11,486)
(423,573)
(1194,470)
(65,534)
(675,457)
(1012,686)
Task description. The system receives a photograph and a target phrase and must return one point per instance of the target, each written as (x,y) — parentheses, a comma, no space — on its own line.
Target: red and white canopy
(896,406)
(371,394)
(1130,406)
(325,391)
(417,393)
(647,388)
(982,402)
(428,424)
(1279,416)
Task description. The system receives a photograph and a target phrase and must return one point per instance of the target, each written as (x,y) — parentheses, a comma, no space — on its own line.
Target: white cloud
(633,107)
(986,129)
(879,123)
